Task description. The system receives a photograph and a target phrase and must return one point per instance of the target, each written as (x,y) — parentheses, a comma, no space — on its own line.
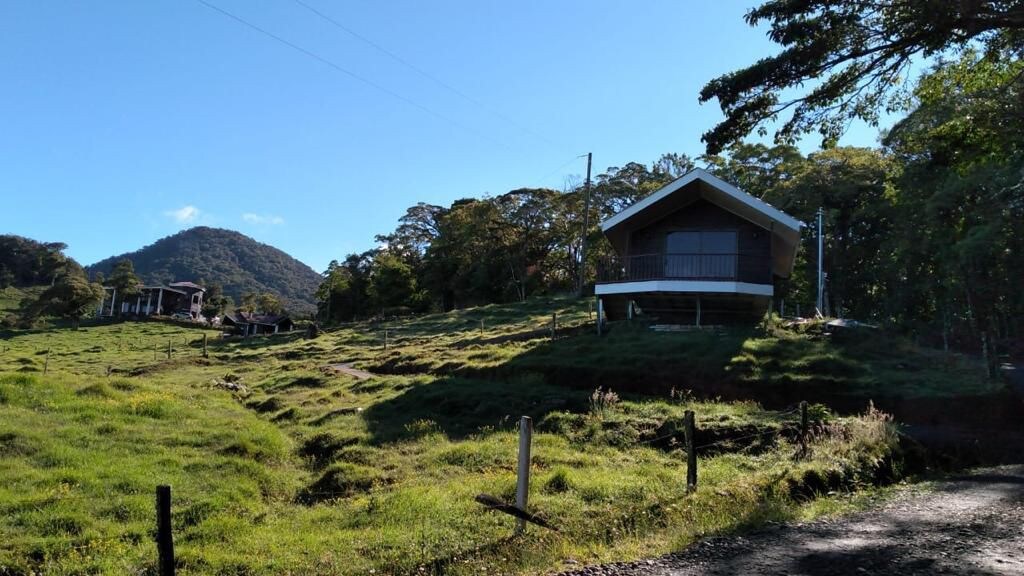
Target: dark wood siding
(753,242)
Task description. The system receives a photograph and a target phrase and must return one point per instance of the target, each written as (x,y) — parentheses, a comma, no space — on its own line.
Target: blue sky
(124,122)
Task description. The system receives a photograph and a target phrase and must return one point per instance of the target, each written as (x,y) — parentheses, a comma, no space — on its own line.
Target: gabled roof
(240,317)
(727,190)
(700,184)
(188,285)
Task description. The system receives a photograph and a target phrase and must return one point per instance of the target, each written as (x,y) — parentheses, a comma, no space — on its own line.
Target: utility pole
(821,255)
(586,229)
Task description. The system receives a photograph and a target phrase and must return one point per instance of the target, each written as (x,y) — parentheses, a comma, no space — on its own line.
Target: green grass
(310,471)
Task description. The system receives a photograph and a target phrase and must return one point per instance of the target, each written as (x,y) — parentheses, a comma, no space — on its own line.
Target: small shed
(252,324)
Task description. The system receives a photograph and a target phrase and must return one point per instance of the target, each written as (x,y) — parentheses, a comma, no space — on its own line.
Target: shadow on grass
(553,376)
(460,407)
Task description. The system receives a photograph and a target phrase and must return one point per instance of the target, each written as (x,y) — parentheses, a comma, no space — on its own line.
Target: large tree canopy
(855,55)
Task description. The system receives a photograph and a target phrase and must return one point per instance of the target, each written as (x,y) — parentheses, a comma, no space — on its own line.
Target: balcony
(748,268)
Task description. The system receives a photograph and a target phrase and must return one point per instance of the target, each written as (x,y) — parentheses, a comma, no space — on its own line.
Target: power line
(569,161)
(351,74)
(421,72)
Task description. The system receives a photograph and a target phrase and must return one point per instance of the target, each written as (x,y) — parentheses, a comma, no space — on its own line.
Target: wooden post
(691,455)
(803,427)
(385,339)
(164,538)
(554,324)
(523,478)
(481,327)
(205,339)
(46,363)
(590,309)
(168,348)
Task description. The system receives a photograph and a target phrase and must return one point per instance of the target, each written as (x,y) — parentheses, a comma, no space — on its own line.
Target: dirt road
(972,524)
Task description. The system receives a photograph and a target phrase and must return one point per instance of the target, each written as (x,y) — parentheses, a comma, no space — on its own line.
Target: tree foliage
(123,279)
(854,55)
(71,297)
(25,262)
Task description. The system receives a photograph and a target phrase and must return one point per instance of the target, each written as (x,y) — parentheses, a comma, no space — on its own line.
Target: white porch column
(113,299)
(138,304)
(159,300)
(149,302)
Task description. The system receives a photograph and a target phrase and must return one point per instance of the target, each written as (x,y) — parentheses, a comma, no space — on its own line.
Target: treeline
(923,232)
(26,262)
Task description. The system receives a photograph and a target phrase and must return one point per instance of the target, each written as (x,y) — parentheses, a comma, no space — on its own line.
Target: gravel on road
(970,524)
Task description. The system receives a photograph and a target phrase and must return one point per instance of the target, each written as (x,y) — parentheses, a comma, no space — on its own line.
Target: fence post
(164,538)
(803,427)
(168,348)
(46,363)
(523,478)
(205,338)
(385,339)
(481,327)
(590,309)
(691,455)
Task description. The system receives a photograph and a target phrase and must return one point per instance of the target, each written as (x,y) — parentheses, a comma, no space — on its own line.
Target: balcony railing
(679,266)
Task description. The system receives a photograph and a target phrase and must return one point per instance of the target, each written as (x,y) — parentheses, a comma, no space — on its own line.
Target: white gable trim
(775,214)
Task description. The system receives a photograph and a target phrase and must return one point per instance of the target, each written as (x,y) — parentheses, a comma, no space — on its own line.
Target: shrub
(603,402)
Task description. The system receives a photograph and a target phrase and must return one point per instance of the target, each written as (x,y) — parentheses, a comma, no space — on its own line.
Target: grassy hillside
(237,262)
(309,470)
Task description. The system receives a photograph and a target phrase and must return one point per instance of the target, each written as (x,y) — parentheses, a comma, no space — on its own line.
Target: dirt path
(972,524)
(354,372)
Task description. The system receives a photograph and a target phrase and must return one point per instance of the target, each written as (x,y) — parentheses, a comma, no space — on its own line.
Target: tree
(26,262)
(215,302)
(71,297)
(123,279)
(755,168)
(855,55)
(343,294)
(962,198)
(268,303)
(853,187)
(392,284)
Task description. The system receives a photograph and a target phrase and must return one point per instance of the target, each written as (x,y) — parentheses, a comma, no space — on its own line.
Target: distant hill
(217,256)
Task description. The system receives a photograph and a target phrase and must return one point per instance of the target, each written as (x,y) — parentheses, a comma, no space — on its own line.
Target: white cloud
(260,219)
(184,215)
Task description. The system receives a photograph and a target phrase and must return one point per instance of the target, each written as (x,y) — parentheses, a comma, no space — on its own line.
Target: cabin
(699,251)
(176,298)
(250,324)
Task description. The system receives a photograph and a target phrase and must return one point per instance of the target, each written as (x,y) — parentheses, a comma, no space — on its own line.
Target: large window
(701,254)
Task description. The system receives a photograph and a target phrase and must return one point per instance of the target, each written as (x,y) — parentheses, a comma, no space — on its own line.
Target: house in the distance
(176,298)
(251,324)
(697,251)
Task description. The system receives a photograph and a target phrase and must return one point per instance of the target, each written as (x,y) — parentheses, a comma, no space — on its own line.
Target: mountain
(217,256)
